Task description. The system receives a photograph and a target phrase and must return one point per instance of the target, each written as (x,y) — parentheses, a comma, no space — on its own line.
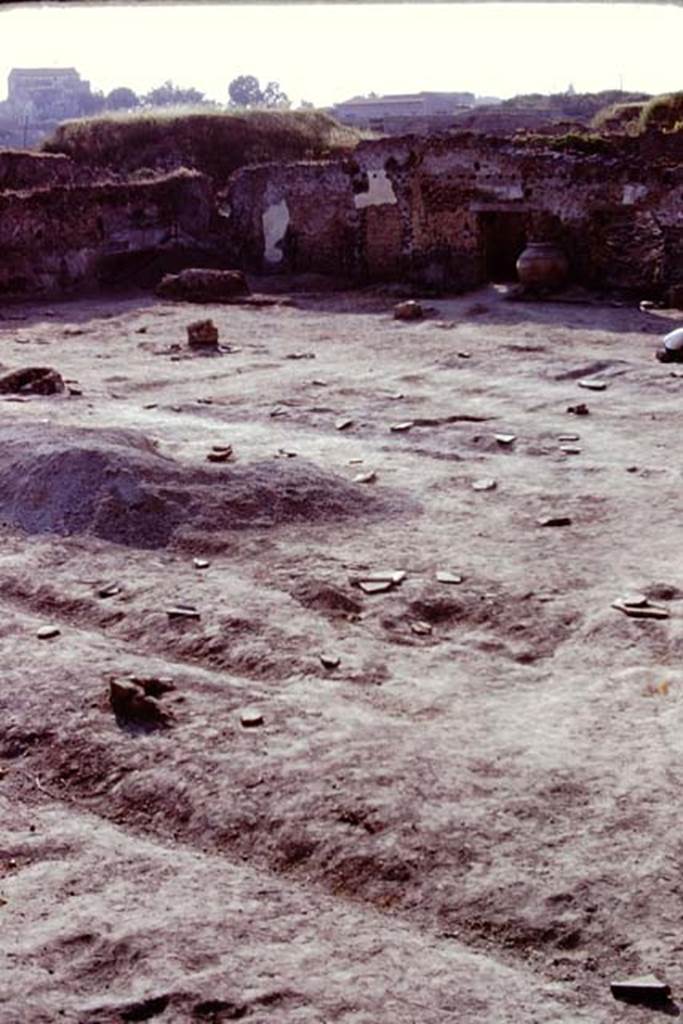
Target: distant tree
(169,95)
(306,105)
(245,91)
(121,99)
(91,103)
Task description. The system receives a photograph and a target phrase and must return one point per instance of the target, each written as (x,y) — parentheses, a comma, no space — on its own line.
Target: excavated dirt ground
(475,824)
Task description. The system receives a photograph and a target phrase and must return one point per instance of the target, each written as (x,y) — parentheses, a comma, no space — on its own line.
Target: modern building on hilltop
(47,93)
(375,111)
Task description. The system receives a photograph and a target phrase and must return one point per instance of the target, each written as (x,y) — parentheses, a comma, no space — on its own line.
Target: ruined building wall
(61,238)
(423,209)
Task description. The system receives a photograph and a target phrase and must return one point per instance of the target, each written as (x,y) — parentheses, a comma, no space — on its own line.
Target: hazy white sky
(326,54)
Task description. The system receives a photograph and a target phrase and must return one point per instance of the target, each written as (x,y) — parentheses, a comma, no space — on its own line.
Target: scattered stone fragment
(182,611)
(634,600)
(578,410)
(570,449)
(202,334)
(300,355)
(505,438)
(448,577)
(221,447)
(109,590)
(278,411)
(554,521)
(397,395)
(330,660)
(409,310)
(75,392)
(130,702)
(647,304)
(368,587)
(343,424)
(672,347)
(141,330)
(465,355)
(486,483)
(568,437)
(319,382)
(593,385)
(150,405)
(647,611)
(200,285)
(632,469)
(365,478)
(286,454)
(392,576)
(48,632)
(646,988)
(356,462)
(398,428)
(201,563)
(251,718)
(33,380)
(220,455)
(421,628)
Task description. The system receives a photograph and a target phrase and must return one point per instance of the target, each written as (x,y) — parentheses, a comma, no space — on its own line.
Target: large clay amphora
(542,265)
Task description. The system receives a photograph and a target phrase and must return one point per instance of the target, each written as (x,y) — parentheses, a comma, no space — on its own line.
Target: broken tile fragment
(448,577)
(109,590)
(421,628)
(593,385)
(393,576)
(48,632)
(648,611)
(343,424)
(486,483)
(570,449)
(505,438)
(330,660)
(646,988)
(399,428)
(251,718)
(201,563)
(554,521)
(182,611)
(365,478)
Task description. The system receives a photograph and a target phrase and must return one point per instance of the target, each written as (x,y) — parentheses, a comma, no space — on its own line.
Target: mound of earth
(113,484)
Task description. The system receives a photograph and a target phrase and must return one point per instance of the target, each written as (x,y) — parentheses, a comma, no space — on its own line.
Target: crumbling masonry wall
(59,237)
(418,208)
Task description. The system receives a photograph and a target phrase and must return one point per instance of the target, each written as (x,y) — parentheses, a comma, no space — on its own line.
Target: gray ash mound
(113,484)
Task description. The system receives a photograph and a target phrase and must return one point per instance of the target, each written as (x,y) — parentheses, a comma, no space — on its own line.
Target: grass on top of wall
(214,141)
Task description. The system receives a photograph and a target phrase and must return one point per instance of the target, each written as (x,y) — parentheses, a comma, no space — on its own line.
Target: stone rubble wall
(56,240)
(412,209)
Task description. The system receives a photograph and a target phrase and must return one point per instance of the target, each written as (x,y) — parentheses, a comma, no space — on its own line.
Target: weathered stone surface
(202,334)
(33,380)
(197,285)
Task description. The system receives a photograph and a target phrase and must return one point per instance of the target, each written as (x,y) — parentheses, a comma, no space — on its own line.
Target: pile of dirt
(115,485)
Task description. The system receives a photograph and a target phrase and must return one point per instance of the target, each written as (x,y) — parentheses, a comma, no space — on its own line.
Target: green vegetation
(620,117)
(211,141)
(571,142)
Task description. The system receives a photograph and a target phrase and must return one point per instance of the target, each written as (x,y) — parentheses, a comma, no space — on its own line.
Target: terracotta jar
(542,265)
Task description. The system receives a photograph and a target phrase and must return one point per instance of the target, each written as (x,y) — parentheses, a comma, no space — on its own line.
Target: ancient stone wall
(20,169)
(442,211)
(59,239)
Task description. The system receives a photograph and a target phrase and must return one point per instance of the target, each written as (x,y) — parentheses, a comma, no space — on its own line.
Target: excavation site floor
(392,753)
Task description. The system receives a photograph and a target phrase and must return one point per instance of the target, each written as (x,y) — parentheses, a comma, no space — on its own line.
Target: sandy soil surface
(470,811)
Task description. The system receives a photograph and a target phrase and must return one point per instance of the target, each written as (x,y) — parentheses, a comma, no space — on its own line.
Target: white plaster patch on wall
(632,193)
(380,192)
(275,223)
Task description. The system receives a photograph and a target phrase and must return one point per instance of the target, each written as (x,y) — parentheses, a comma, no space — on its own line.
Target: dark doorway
(503,237)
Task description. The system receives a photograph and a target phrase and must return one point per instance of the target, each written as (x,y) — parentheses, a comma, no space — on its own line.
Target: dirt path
(473,815)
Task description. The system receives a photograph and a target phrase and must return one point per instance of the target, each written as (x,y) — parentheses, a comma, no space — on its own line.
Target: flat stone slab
(554,521)
(645,988)
(593,385)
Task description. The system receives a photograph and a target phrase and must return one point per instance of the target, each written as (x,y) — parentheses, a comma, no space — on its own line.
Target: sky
(326,54)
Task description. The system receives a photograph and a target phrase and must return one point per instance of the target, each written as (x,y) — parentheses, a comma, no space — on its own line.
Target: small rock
(397,395)
(150,405)
(421,628)
(409,310)
(300,355)
(330,660)
(485,484)
(391,576)
(222,456)
(370,587)
(593,385)
(221,447)
(202,334)
(554,521)
(251,718)
(464,355)
(141,330)
(34,380)
(47,632)
(578,410)
(201,563)
(129,702)
(182,611)
(319,383)
(505,438)
(632,469)
(648,611)
(647,304)
(343,424)
(109,590)
(398,428)
(645,988)
(448,577)
(569,449)
(365,478)
(568,437)
(635,600)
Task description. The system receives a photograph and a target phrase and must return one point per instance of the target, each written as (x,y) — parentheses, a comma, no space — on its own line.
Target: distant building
(49,94)
(375,111)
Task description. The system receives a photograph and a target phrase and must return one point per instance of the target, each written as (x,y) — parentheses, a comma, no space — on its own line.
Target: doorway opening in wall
(503,237)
